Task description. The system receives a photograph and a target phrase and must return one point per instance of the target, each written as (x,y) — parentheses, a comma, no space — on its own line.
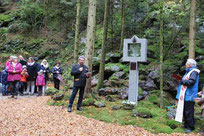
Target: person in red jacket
(40,82)
(24,76)
(14,70)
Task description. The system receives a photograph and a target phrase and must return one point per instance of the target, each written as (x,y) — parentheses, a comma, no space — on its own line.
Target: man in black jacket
(80,73)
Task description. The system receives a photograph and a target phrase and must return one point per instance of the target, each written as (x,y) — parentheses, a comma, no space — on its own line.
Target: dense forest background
(46,29)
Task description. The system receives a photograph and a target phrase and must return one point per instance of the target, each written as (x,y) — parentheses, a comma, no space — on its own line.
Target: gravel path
(33,117)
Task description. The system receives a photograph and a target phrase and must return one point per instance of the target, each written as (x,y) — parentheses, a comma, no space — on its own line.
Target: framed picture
(135,49)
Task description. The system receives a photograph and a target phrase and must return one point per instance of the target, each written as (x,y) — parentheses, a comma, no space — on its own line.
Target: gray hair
(191,62)
(81,57)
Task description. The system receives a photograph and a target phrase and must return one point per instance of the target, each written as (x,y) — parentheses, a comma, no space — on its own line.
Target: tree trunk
(91,26)
(161,54)
(104,42)
(192,32)
(76,43)
(122,23)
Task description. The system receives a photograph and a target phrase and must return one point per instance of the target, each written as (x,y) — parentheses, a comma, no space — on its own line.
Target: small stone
(116,107)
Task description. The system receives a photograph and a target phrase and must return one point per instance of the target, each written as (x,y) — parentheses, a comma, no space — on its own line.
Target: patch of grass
(158,124)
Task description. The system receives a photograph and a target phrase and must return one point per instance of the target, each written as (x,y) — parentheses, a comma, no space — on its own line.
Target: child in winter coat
(3,80)
(24,76)
(40,82)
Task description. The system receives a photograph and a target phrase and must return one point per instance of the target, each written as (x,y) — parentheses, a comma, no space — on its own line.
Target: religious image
(134,50)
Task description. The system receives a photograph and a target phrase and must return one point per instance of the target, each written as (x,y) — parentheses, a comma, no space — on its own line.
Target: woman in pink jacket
(40,82)
(14,70)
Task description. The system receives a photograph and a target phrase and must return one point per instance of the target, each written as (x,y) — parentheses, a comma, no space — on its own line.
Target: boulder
(106,83)
(99,104)
(112,91)
(140,97)
(58,97)
(150,85)
(141,114)
(114,58)
(112,68)
(119,75)
(116,107)
(107,90)
(109,99)
(154,74)
(142,84)
(102,92)
(51,91)
(128,106)
(124,93)
(115,83)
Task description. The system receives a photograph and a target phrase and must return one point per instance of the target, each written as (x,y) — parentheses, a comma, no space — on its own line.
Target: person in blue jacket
(80,73)
(56,71)
(190,94)
(3,80)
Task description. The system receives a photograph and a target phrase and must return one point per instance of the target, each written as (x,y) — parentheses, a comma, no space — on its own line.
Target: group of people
(27,77)
(18,73)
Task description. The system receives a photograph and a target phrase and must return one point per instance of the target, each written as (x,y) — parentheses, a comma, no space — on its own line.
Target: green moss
(51,91)
(4,17)
(173,124)
(113,78)
(154,99)
(124,68)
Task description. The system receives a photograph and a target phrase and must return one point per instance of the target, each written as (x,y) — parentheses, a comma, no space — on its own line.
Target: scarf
(45,65)
(30,64)
(57,67)
(14,64)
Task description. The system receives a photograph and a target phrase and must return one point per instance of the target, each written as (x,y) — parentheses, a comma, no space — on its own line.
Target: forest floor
(33,117)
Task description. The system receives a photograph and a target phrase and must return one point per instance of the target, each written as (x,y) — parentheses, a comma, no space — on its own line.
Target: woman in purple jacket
(14,76)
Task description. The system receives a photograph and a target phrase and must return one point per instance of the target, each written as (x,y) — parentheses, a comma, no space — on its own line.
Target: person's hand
(57,72)
(88,74)
(200,93)
(81,69)
(14,71)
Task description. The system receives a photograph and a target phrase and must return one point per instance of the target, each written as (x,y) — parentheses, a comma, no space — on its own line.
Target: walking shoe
(69,109)
(187,131)
(79,109)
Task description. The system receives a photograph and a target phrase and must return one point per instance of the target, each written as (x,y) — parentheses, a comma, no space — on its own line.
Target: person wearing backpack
(4,81)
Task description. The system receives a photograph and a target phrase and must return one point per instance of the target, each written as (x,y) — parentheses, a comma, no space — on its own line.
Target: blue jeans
(81,94)
(4,88)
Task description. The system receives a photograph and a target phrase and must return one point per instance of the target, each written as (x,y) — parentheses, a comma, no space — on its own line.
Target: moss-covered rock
(142,112)
(58,96)
(88,102)
(51,91)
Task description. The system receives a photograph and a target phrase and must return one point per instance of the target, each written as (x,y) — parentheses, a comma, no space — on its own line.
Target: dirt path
(33,117)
